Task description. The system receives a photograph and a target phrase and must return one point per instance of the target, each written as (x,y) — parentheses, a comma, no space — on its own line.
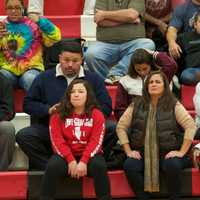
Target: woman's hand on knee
(81,170)
(134,154)
(72,168)
(173,154)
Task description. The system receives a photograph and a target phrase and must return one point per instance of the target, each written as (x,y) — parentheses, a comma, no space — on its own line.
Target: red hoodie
(78,135)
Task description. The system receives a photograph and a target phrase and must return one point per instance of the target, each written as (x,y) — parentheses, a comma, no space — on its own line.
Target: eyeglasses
(16,8)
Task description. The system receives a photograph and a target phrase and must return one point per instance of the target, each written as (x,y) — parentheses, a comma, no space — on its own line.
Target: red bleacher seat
(14,185)
(112,90)
(69,25)
(19,99)
(195,182)
(119,186)
(63,7)
(187,93)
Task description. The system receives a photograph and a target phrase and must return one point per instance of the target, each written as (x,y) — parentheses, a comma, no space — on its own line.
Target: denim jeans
(189,76)
(108,59)
(24,81)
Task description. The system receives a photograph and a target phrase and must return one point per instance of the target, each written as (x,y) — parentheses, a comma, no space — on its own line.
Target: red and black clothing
(78,135)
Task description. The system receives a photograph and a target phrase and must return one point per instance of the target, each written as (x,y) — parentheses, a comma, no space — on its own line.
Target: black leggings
(57,168)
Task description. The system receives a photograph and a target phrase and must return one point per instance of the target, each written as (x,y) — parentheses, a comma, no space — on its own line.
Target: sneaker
(112,79)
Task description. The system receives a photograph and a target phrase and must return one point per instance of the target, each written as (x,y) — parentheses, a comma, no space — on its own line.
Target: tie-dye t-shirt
(21,49)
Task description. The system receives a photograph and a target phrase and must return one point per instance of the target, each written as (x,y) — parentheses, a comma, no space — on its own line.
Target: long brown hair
(66,108)
(168,100)
(141,56)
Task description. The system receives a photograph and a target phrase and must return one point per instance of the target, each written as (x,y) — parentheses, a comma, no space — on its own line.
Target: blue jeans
(108,59)
(24,81)
(189,76)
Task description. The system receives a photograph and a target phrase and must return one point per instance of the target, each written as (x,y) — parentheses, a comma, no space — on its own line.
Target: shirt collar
(59,72)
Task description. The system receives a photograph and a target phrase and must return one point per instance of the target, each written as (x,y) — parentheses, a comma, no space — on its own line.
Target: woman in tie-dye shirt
(21,41)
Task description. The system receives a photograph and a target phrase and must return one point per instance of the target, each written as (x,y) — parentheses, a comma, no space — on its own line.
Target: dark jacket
(47,90)
(168,132)
(190,45)
(6,99)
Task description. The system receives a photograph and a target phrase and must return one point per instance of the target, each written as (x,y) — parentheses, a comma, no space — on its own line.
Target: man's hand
(175,50)
(163,27)
(34,17)
(54,109)
(99,16)
(196,158)
(72,169)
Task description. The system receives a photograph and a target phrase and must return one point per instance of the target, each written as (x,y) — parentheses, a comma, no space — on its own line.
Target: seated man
(7,130)
(181,21)
(43,100)
(189,43)
(120,31)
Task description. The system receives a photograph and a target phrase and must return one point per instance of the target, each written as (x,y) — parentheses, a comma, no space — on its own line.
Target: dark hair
(66,108)
(74,45)
(167,100)
(140,56)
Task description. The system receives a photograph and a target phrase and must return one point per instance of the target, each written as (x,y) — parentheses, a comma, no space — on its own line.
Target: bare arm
(171,36)
(162,25)
(166,18)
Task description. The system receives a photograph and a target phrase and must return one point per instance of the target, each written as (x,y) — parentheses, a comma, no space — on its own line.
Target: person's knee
(89,55)
(171,164)
(133,165)
(147,43)
(98,164)
(27,79)
(22,135)
(7,130)
(56,163)
(188,78)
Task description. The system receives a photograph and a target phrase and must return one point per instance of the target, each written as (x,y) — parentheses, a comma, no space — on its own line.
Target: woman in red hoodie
(77,132)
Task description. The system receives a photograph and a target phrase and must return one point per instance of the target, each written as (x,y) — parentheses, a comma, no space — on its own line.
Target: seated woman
(21,41)
(77,133)
(142,63)
(150,135)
